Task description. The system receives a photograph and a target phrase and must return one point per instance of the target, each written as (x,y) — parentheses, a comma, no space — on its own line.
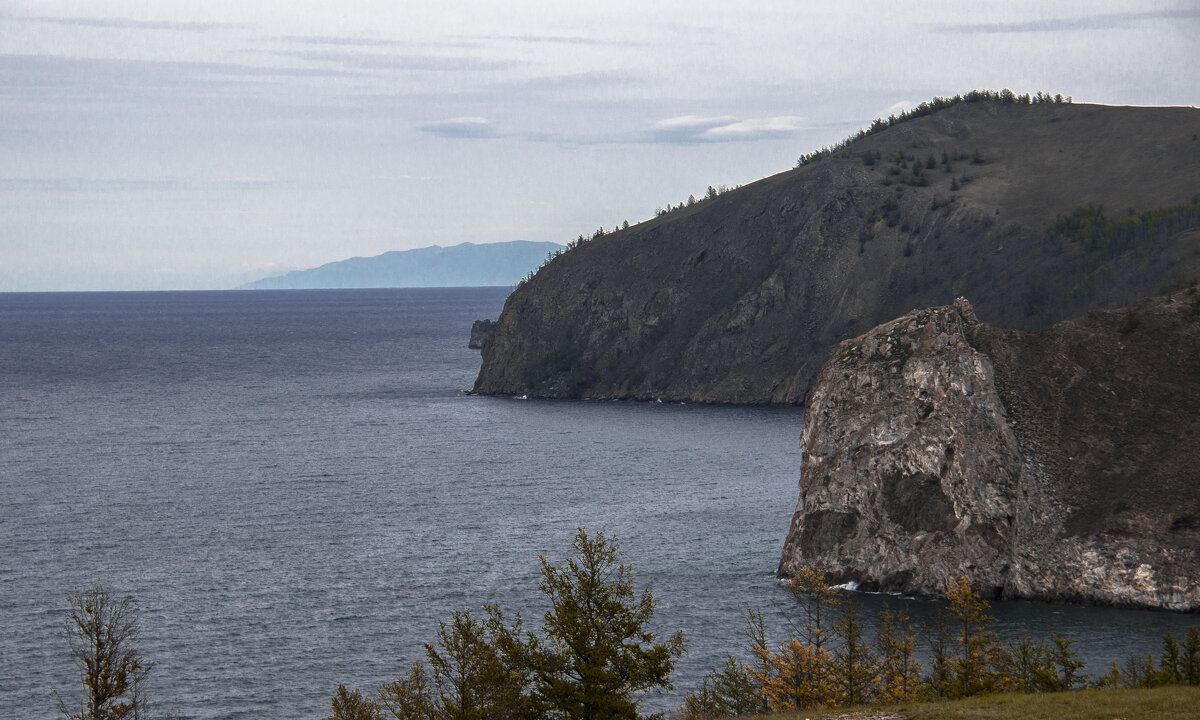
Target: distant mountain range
(463,265)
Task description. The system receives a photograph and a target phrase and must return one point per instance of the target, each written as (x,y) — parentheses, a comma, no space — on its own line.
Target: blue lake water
(295,488)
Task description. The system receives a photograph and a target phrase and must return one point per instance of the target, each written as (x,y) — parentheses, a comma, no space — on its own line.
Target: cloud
(897,108)
(60,81)
(756,128)
(127,24)
(462,127)
(592,80)
(136,185)
(338,41)
(382,61)
(1106,21)
(576,40)
(686,128)
(695,128)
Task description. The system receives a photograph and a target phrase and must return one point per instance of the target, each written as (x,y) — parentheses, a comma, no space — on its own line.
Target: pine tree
(732,691)
(1066,664)
(347,705)
(1026,667)
(799,678)
(1171,664)
(599,657)
(816,601)
(475,672)
(899,671)
(1191,656)
(939,682)
(968,614)
(853,666)
(799,675)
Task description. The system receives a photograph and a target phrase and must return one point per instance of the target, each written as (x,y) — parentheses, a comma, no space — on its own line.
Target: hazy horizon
(170,146)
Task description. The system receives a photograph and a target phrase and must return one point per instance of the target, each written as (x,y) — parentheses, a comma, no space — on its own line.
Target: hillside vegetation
(1035,212)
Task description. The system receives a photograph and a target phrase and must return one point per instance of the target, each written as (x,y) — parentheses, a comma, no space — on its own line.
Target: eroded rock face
(1055,465)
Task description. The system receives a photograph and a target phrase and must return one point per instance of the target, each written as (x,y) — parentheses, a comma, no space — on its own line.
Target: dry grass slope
(1166,703)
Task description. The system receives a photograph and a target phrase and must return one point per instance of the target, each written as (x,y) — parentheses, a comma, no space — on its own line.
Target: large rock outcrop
(481,330)
(1058,465)
(740,297)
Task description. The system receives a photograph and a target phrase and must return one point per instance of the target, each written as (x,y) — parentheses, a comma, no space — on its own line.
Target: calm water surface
(295,489)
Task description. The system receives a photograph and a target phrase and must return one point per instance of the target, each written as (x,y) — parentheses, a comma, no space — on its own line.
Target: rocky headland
(1037,212)
(1057,465)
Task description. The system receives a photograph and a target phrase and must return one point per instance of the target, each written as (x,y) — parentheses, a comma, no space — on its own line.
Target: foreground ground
(1167,703)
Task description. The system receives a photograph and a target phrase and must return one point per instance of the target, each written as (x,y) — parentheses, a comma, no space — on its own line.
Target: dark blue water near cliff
(295,489)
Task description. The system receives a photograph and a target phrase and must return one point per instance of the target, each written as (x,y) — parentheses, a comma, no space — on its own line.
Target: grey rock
(481,330)
(1055,465)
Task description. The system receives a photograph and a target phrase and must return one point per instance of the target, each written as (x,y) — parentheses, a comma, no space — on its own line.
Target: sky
(163,144)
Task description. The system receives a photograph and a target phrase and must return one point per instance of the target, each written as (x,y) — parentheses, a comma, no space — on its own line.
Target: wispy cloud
(1104,21)
(755,128)
(136,185)
(39,78)
(125,23)
(338,41)
(577,40)
(695,128)
(604,82)
(897,108)
(395,62)
(462,127)
(687,128)
(406,178)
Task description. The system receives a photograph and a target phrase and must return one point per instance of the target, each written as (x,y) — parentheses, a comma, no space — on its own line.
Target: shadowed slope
(739,298)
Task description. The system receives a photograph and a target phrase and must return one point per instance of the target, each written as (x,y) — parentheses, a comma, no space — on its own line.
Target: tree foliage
(827,662)
(731,691)
(978,648)
(1005,97)
(599,656)
(101,632)
(596,659)
(472,674)
(1088,226)
(347,705)
(898,672)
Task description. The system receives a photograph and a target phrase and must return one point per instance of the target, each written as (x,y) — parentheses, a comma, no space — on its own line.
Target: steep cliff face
(741,297)
(1057,465)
